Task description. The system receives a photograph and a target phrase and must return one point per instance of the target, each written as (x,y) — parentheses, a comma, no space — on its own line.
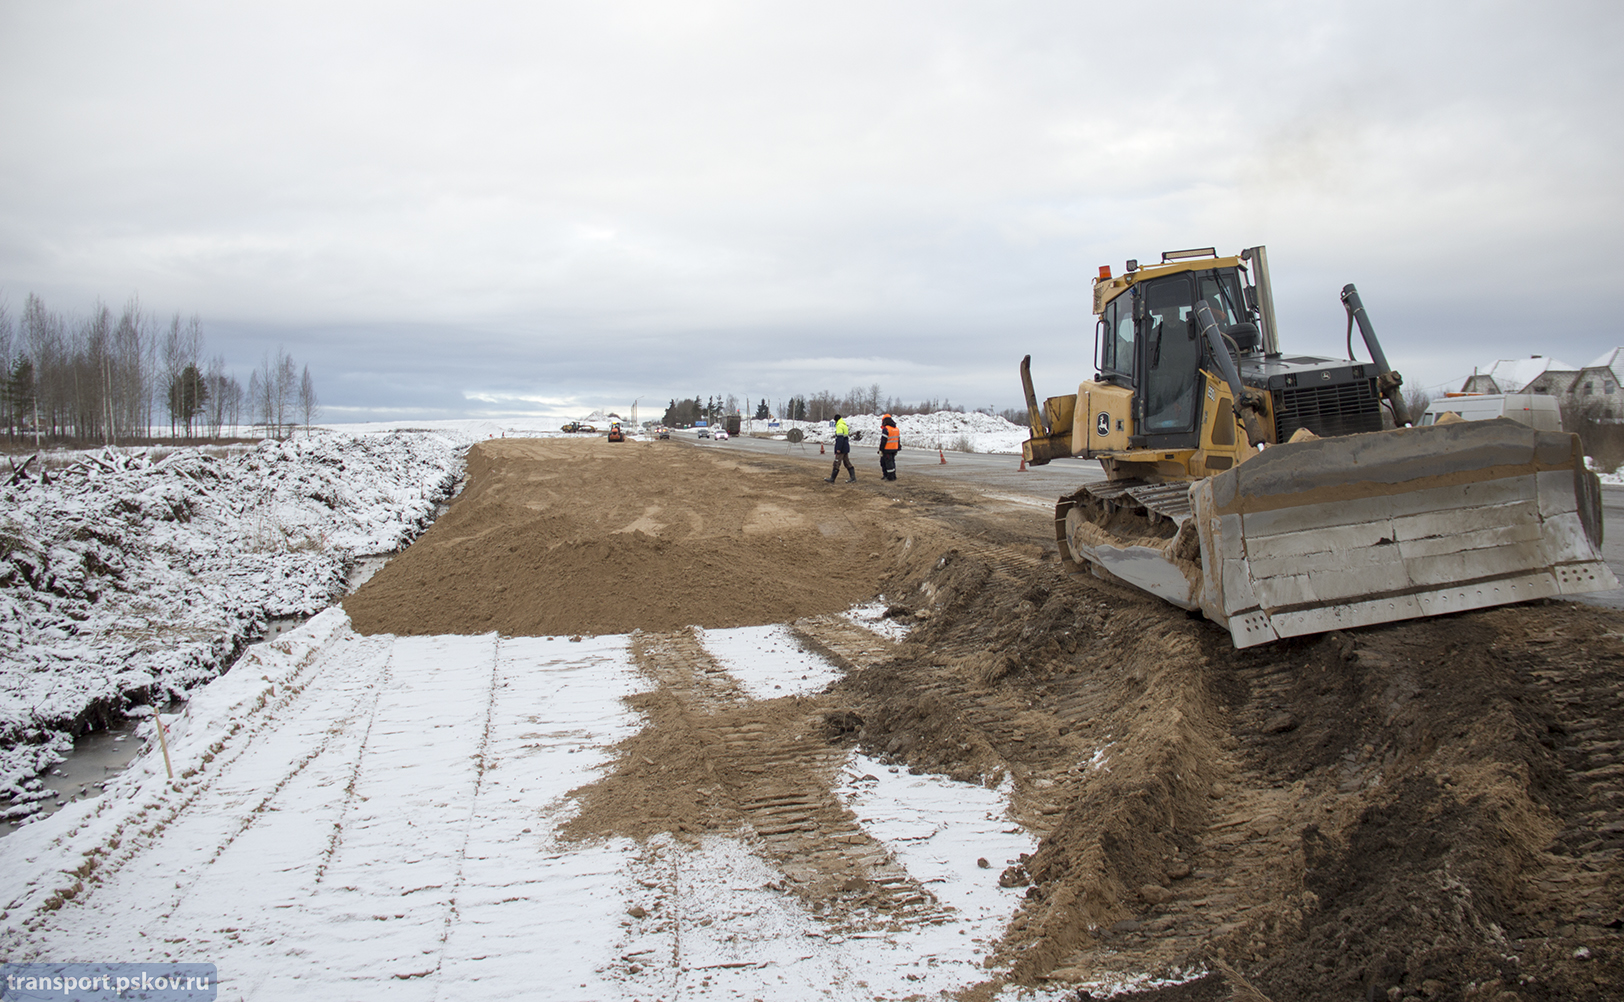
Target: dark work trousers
(888,464)
(843,455)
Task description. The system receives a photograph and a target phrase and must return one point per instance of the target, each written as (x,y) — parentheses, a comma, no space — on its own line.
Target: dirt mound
(1429,809)
(560,536)
(1425,810)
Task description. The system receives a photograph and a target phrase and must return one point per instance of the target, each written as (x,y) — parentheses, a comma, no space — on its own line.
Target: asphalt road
(1040,486)
(1612,548)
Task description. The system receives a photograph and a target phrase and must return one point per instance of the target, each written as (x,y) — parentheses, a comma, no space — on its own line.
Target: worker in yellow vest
(890,445)
(842,453)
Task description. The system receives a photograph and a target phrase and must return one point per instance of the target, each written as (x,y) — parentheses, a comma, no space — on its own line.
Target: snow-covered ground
(463,430)
(352,813)
(1616,477)
(132,575)
(949,430)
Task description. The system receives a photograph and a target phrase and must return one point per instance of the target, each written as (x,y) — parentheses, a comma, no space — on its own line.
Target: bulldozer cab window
(1222,291)
(1171,357)
(1116,338)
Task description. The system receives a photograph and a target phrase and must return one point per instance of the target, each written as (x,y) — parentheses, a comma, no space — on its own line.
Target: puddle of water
(95,759)
(365,567)
(100,755)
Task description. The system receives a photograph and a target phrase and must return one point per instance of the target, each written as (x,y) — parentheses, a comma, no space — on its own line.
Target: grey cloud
(573,202)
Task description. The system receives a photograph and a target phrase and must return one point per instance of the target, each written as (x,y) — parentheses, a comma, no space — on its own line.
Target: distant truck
(732,424)
(1536,410)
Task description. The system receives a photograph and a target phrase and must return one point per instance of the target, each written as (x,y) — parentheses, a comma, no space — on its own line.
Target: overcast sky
(460,209)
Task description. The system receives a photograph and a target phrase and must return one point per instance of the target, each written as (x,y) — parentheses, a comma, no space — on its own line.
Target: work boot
(852,479)
(829,480)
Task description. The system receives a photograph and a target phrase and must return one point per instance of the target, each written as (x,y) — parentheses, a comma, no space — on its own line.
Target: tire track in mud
(770,765)
(1579,876)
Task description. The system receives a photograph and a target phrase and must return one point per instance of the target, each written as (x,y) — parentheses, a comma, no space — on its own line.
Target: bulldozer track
(1580,869)
(1241,877)
(782,783)
(1024,735)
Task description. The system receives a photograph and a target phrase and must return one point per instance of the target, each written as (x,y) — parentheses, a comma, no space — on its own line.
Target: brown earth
(1427,810)
(563,536)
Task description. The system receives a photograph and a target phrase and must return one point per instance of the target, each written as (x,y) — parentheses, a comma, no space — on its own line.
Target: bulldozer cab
(1147,340)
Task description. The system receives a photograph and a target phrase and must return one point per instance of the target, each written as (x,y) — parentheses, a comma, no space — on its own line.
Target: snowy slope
(127,576)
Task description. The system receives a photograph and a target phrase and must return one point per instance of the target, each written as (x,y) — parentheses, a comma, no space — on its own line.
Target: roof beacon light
(1105,272)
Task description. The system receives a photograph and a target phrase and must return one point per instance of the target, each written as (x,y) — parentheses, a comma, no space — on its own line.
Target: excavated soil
(1426,810)
(564,536)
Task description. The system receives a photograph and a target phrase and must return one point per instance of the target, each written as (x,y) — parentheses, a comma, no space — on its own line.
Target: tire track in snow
(481,759)
(116,841)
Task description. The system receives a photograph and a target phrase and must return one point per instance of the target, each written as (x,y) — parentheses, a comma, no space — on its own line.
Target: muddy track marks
(1580,875)
(712,759)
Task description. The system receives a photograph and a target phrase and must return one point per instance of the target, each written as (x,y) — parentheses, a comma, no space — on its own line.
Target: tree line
(821,406)
(106,377)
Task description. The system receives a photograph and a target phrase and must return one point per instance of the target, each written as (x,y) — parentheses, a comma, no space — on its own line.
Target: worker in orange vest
(890,444)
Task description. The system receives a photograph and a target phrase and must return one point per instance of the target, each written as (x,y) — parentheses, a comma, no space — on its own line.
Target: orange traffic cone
(1023,464)
(944,457)
(820,448)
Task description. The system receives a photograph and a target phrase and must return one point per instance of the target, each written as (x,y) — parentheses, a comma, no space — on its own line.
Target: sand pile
(556,536)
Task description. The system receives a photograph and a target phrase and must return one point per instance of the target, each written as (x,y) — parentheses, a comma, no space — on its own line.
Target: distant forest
(821,406)
(103,378)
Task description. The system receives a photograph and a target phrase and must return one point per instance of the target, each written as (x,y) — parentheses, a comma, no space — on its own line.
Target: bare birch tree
(287,389)
(309,405)
(259,398)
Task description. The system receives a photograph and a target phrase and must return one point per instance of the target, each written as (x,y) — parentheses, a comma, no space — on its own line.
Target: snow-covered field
(129,576)
(949,430)
(356,813)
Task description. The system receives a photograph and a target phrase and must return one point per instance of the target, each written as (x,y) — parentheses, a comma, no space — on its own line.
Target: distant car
(704,433)
(721,435)
(665,433)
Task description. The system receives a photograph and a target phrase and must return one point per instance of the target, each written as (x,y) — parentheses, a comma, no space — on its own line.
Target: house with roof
(1596,384)
(1534,374)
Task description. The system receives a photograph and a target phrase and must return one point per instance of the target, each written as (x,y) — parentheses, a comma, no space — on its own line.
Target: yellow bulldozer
(1262,489)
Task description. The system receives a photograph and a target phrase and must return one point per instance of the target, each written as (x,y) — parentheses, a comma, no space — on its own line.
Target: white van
(1536,410)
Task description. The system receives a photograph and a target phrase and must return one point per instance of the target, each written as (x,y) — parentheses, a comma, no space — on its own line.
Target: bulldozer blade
(1362,529)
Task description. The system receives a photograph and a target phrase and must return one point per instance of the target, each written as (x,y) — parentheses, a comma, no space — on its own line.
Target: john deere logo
(1102,424)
